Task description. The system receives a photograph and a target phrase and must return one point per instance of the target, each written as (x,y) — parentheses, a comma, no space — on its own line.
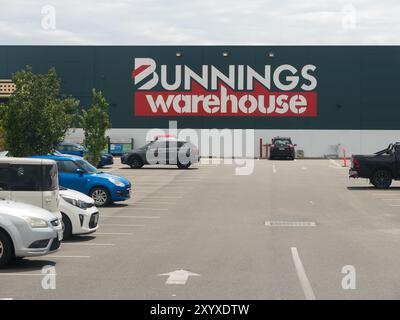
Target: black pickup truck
(380,168)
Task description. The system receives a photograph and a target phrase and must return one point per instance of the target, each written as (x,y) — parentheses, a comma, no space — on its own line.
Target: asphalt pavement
(290,230)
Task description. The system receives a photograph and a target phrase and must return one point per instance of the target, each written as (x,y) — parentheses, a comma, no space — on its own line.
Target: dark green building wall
(358,86)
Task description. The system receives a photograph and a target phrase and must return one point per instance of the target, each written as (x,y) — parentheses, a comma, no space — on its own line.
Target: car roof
(70,144)
(32,161)
(283,138)
(59,158)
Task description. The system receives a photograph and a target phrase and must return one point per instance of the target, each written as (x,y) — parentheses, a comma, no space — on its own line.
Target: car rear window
(282,142)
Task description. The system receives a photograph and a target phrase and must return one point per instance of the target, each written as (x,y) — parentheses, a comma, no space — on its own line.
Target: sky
(193,22)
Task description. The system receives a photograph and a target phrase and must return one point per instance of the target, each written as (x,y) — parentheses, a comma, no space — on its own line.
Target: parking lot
(284,232)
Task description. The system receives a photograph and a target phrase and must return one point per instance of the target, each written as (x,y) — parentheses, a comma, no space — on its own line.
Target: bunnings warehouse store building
(320,96)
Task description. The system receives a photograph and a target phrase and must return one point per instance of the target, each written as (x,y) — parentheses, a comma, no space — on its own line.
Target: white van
(33,181)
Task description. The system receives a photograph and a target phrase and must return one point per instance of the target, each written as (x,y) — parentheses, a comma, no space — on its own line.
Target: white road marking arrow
(178,276)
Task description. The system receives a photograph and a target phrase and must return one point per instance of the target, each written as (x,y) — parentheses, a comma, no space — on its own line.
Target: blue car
(71,148)
(106,159)
(78,174)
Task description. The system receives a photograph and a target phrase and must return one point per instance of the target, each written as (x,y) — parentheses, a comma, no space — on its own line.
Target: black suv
(163,151)
(281,147)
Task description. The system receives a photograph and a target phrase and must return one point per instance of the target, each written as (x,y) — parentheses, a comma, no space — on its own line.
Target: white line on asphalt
(114,233)
(395,205)
(87,244)
(335,163)
(132,217)
(57,256)
(273,168)
(120,225)
(150,209)
(304,168)
(305,284)
(6,298)
(165,197)
(390,199)
(21,274)
(152,202)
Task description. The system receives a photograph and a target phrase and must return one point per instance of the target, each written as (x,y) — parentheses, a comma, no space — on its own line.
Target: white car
(26,231)
(79,214)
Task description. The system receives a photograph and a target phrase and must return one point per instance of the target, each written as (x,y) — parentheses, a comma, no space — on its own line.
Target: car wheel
(101,196)
(6,249)
(382,179)
(66,227)
(135,163)
(184,166)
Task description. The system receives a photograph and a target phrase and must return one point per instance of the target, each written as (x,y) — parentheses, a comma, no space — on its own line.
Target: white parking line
(395,205)
(165,197)
(273,168)
(120,225)
(152,202)
(57,256)
(88,244)
(132,217)
(20,274)
(305,284)
(114,233)
(150,209)
(6,298)
(335,163)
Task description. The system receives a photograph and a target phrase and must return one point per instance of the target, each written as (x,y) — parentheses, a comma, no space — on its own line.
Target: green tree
(95,121)
(36,117)
(2,139)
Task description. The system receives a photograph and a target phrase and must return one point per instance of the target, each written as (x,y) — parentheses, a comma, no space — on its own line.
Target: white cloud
(175,22)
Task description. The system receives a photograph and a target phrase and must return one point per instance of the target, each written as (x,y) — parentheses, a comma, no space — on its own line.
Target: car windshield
(86,166)
(282,142)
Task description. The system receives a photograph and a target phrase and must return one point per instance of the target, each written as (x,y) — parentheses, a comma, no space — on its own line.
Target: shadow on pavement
(26,265)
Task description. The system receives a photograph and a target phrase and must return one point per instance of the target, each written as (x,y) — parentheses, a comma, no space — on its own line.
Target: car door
(69,177)
(397,161)
(26,183)
(4,181)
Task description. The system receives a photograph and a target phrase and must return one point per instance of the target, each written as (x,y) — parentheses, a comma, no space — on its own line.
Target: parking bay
(211,222)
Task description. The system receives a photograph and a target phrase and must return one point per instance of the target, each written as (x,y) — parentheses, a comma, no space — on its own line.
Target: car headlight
(116,182)
(76,202)
(36,222)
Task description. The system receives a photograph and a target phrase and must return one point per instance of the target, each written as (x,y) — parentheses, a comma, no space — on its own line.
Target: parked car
(380,168)
(282,147)
(33,181)
(106,159)
(26,231)
(78,174)
(164,150)
(79,213)
(71,148)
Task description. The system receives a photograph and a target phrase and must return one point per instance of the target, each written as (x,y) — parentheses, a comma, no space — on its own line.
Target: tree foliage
(94,122)
(36,117)
(2,138)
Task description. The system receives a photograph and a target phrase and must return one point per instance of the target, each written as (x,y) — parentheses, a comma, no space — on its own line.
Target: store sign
(282,91)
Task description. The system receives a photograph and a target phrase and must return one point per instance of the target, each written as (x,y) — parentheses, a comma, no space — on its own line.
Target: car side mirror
(295,144)
(80,172)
